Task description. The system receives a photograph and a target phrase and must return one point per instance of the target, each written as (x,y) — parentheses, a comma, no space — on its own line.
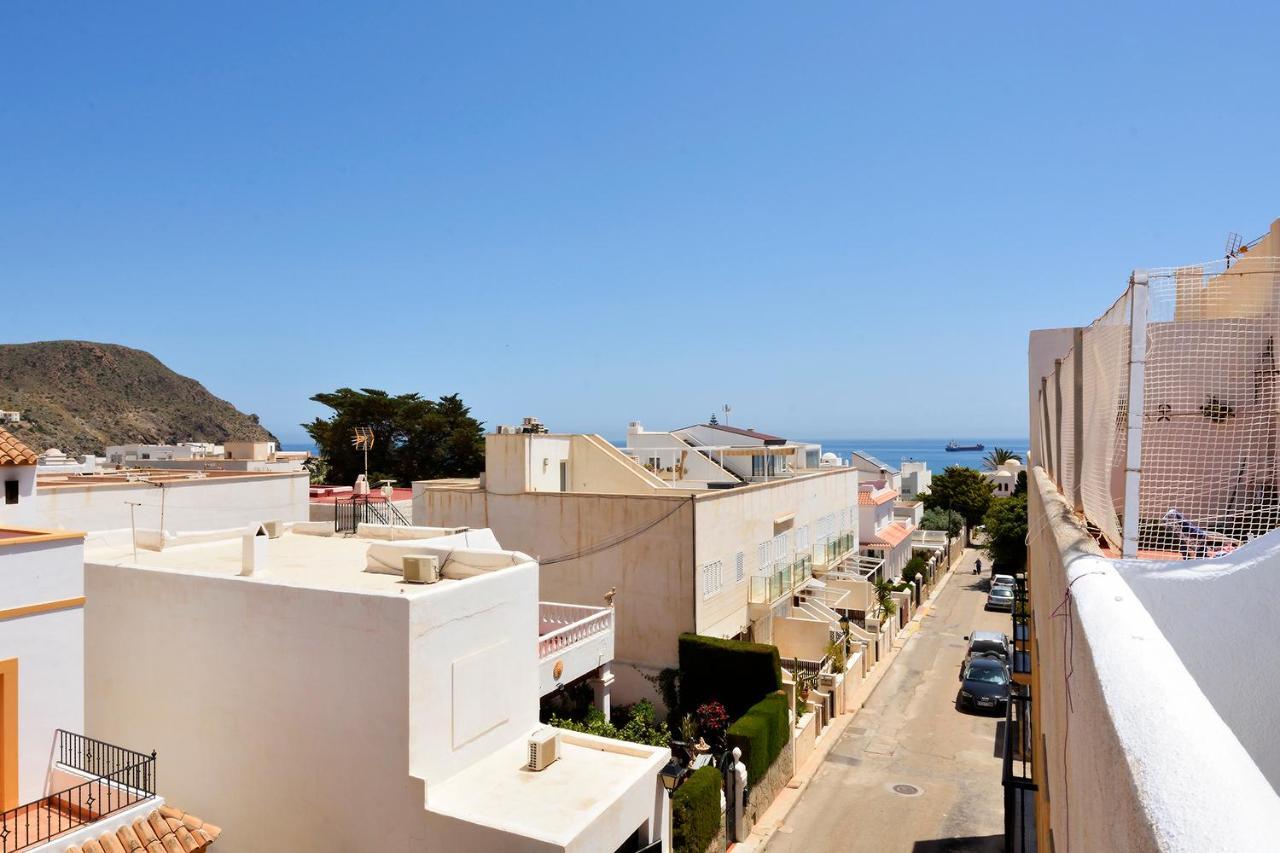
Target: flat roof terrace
(367,564)
(135,476)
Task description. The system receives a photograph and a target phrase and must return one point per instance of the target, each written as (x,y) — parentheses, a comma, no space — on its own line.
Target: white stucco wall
(198,504)
(1234,658)
(49,648)
(1137,759)
(23,513)
(280,713)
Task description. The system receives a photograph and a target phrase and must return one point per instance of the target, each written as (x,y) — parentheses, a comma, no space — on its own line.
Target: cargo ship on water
(952,447)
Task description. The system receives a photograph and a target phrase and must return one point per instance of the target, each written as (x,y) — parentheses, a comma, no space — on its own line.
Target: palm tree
(884,597)
(997,457)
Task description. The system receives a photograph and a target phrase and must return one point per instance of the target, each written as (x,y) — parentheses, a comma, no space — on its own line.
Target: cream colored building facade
(681,554)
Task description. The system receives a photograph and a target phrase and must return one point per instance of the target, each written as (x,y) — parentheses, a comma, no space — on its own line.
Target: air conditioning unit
(273,528)
(421,568)
(506,429)
(544,748)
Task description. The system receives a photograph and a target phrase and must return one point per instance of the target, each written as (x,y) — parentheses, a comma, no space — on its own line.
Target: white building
(323,702)
(686,542)
(884,534)
(10,416)
(154,499)
(916,477)
(1004,480)
(58,788)
(255,456)
(876,470)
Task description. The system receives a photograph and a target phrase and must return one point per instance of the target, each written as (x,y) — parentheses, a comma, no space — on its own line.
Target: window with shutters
(739,567)
(712,578)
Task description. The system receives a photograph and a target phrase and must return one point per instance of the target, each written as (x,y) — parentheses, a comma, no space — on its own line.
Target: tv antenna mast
(727,409)
(362,439)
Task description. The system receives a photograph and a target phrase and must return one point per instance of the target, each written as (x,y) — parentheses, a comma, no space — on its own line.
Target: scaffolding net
(1208,468)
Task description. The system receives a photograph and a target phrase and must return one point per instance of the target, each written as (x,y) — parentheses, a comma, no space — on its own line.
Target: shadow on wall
(970,844)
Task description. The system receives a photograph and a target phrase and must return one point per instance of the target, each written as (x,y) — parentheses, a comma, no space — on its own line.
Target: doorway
(8,733)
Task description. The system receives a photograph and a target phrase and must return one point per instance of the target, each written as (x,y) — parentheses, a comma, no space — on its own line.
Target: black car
(984,684)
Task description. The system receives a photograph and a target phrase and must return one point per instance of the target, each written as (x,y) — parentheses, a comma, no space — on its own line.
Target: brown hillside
(80,396)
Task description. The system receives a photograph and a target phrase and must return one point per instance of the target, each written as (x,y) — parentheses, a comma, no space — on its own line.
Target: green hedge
(733,673)
(695,811)
(761,734)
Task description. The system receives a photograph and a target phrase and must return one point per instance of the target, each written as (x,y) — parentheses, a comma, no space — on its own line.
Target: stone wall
(761,796)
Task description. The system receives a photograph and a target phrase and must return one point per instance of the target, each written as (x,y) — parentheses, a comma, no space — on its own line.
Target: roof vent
(255,551)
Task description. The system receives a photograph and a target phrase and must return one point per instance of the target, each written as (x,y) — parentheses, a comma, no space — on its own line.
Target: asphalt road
(910,733)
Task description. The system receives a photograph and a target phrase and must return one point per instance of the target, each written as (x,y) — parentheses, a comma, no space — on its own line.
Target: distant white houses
(10,416)
(709,529)
(257,456)
(389,681)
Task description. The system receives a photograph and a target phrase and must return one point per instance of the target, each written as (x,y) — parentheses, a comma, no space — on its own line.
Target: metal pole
(1077,427)
(1138,303)
(133,529)
(1057,421)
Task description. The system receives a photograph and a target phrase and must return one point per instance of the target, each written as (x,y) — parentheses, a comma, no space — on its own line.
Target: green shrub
(761,734)
(735,674)
(638,725)
(695,811)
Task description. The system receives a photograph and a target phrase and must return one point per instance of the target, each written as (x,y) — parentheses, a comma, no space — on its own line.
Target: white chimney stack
(255,552)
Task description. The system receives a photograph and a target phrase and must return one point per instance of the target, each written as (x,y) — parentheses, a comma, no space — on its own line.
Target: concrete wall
(806,639)
(588,544)
(1129,753)
(49,649)
(198,504)
(23,513)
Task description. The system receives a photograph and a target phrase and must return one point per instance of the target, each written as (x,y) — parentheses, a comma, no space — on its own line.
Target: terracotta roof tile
(164,830)
(890,535)
(868,497)
(14,452)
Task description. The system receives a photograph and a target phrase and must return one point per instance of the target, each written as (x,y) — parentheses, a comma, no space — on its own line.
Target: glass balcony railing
(766,589)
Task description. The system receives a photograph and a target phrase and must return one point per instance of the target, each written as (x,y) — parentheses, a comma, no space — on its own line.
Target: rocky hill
(80,396)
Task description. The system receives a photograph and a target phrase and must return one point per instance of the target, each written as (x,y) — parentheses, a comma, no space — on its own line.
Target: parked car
(1000,598)
(1002,580)
(988,643)
(984,684)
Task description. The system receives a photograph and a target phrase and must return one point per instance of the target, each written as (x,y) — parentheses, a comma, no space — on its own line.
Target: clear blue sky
(840,218)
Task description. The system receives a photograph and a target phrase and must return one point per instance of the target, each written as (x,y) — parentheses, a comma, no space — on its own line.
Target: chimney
(255,552)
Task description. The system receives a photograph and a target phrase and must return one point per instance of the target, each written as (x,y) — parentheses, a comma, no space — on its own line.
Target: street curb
(774,816)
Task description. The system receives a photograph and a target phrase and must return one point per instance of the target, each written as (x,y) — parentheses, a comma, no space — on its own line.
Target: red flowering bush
(713,719)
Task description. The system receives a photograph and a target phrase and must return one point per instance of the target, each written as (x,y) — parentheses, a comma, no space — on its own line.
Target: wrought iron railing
(1017,777)
(350,513)
(120,778)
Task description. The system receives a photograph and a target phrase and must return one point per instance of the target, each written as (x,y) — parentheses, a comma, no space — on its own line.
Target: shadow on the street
(969,844)
(999,748)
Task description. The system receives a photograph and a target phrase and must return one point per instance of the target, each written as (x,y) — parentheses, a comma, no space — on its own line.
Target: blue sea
(892,450)
(895,451)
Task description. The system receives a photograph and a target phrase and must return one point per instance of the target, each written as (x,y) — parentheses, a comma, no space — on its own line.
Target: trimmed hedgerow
(733,673)
(695,811)
(761,734)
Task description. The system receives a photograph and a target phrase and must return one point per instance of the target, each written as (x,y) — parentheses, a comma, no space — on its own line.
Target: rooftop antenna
(727,409)
(362,439)
(1234,244)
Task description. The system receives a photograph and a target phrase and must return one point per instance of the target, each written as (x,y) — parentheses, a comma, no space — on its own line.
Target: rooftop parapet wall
(1137,757)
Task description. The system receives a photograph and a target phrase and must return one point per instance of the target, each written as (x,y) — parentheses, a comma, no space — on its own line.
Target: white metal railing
(859,567)
(562,625)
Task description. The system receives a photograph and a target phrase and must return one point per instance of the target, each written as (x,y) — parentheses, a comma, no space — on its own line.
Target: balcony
(573,641)
(92,780)
(781,580)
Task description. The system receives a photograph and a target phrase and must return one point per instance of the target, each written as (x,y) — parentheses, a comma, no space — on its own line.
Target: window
(757,466)
(564,475)
(11,491)
(739,567)
(712,578)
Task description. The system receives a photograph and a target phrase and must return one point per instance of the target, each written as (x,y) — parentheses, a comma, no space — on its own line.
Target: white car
(1002,580)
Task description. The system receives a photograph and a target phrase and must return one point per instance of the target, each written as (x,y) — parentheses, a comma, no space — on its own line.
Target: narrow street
(910,733)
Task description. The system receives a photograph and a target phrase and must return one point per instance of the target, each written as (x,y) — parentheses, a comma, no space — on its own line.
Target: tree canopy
(963,490)
(413,438)
(1006,524)
(939,519)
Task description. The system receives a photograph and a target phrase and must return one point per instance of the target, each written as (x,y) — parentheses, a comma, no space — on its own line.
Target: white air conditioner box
(421,568)
(544,748)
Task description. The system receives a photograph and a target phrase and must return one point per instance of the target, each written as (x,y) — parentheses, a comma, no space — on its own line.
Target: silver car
(1000,598)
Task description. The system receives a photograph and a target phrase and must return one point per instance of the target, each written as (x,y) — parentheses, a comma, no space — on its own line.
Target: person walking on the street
(977,566)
